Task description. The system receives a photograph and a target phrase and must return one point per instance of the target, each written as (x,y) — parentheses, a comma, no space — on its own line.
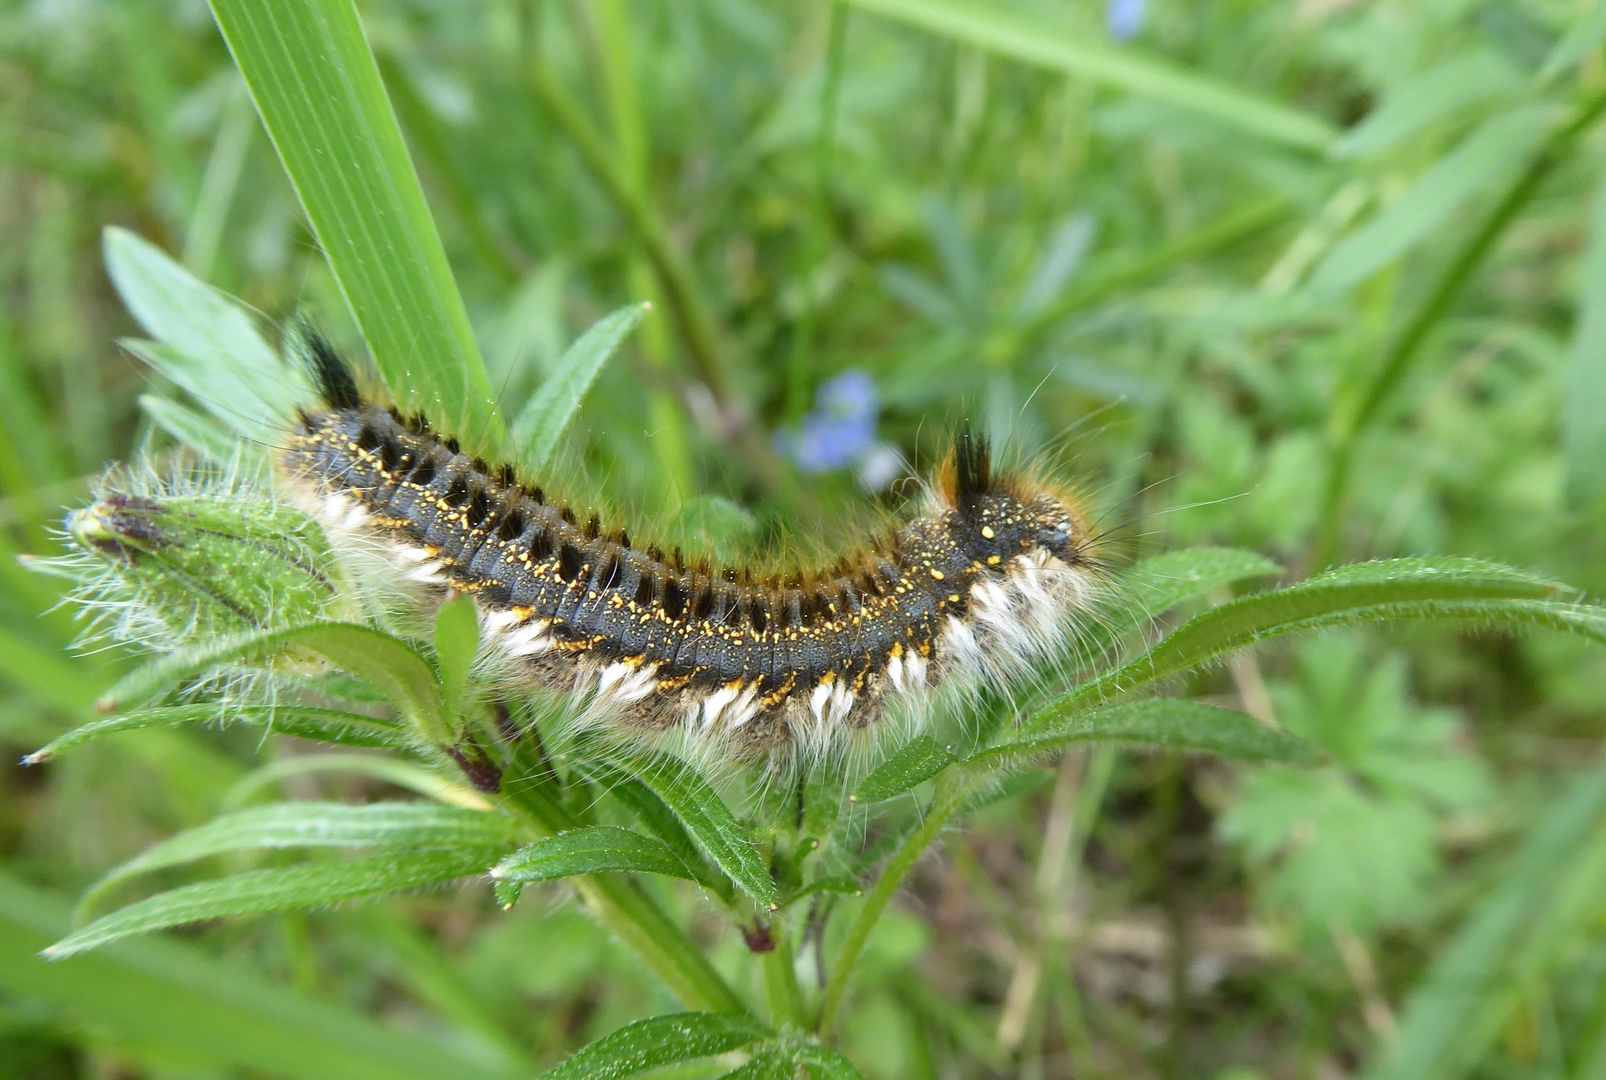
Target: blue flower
(1124,18)
(841,429)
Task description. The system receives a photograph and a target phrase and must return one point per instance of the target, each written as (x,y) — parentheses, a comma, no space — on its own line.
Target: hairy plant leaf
(388,664)
(1162,582)
(1171,723)
(660,1040)
(647,808)
(318,90)
(710,822)
(1364,592)
(279,889)
(302,721)
(826,1064)
(915,762)
(591,850)
(208,346)
(158,1001)
(1041,42)
(407,826)
(542,421)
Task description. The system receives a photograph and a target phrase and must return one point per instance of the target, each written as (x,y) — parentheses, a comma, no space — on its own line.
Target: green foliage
(1354,845)
(1300,278)
(549,410)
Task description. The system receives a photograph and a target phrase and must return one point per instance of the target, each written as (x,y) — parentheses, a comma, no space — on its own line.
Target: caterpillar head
(1000,519)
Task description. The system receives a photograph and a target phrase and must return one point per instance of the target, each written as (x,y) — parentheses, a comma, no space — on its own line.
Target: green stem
(780,981)
(952,793)
(1349,426)
(619,903)
(684,300)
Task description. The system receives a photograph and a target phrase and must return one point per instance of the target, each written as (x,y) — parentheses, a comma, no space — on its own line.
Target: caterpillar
(986,579)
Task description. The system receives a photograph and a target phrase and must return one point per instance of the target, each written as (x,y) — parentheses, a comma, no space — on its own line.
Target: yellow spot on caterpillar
(953,598)
(987,532)
(936,574)
(993,560)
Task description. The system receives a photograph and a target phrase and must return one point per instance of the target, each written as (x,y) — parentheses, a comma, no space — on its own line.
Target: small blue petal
(1124,18)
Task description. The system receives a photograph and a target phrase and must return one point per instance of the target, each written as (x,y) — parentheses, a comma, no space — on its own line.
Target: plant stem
(952,792)
(780,981)
(684,300)
(623,907)
(1350,424)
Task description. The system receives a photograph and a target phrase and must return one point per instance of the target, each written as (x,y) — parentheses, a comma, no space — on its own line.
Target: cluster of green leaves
(1269,300)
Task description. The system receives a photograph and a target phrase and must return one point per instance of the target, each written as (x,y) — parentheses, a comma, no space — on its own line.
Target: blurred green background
(1323,278)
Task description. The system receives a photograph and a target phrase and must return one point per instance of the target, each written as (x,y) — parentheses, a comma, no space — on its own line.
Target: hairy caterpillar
(987,579)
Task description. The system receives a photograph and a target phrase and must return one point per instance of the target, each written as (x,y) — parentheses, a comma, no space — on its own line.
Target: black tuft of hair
(972,466)
(337,385)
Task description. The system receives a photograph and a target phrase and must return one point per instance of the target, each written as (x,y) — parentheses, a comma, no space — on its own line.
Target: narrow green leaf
(1583,37)
(1162,582)
(189,428)
(208,344)
(1170,723)
(157,1002)
(553,406)
(457,640)
(1498,147)
(1583,402)
(385,768)
(280,889)
(773,1063)
(660,1040)
(592,850)
(402,825)
(654,813)
(318,91)
(304,722)
(710,822)
(390,665)
(824,1064)
(1465,78)
(1014,34)
(1373,591)
(915,762)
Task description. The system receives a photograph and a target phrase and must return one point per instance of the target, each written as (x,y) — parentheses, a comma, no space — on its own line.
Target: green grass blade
(1491,152)
(596,849)
(914,763)
(388,664)
(157,1002)
(1583,410)
(279,889)
(317,87)
(541,422)
(711,823)
(1461,80)
(1170,723)
(208,344)
(302,721)
(1008,33)
(660,1040)
(1549,892)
